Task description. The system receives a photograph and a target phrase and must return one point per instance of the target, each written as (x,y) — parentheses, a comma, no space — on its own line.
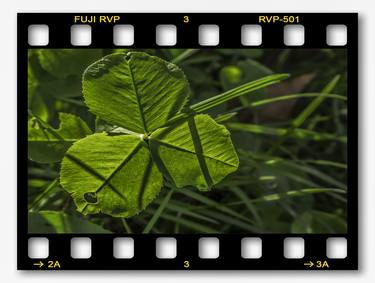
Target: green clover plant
(159,140)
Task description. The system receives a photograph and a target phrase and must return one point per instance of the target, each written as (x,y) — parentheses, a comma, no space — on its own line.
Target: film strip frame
(187,245)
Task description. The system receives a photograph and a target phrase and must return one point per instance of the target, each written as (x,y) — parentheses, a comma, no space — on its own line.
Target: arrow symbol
(309,264)
(40,264)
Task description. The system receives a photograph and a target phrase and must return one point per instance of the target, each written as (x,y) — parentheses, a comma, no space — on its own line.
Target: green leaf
(62,63)
(60,70)
(47,145)
(198,152)
(58,222)
(114,175)
(135,91)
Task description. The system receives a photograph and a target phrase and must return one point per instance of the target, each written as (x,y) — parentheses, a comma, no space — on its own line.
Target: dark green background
(257,198)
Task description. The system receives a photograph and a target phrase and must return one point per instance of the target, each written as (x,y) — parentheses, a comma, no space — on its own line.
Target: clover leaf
(152,139)
(137,91)
(198,152)
(48,145)
(110,174)
(119,174)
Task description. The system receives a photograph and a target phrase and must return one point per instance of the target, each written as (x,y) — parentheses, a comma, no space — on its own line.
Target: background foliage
(290,138)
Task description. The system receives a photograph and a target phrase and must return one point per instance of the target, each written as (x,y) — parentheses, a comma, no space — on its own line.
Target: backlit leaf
(114,175)
(47,145)
(135,91)
(62,63)
(198,152)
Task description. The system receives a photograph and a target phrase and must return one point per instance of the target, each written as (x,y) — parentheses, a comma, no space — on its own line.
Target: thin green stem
(278,196)
(158,212)
(305,114)
(238,91)
(297,133)
(44,194)
(301,118)
(177,224)
(285,97)
(186,54)
(212,102)
(45,126)
(126,226)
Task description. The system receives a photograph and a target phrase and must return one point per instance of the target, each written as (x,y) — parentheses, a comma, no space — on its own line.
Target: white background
(8,136)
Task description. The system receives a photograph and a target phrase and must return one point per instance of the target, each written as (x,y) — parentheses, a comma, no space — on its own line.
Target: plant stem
(177,224)
(187,53)
(45,126)
(212,102)
(236,92)
(158,212)
(126,226)
(45,193)
(301,118)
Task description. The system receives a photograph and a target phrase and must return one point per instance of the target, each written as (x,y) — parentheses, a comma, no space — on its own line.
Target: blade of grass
(327,163)
(297,133)
(296,96)
(232,221)
(299,165)
(73,101)
(158,212)
(139,220)
(287,97)
(238,91)
(305,114)
(177,225)
(45,125)
(225,117)
(301,118)
(201,198)
(271,159)
(316,173)
(126,226)
(202,59)
(180,208)
(46,173)
(298,193)
(282,58)
(243,196)
(295,193)
(212,102)
(186,54)
(44,194)
(187,223)
(298,178)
